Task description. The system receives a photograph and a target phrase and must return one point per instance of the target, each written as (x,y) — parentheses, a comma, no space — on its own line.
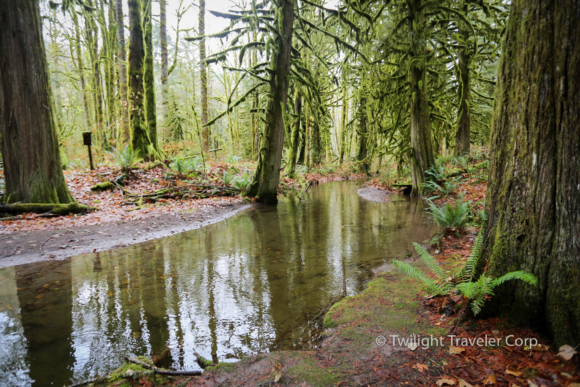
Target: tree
(267,177)
(122,59)
(535,168)
(139,136)
(164,59)
(203,78)
(30,150)
(148,76)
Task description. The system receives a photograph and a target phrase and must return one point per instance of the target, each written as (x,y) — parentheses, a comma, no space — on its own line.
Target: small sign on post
(87,140)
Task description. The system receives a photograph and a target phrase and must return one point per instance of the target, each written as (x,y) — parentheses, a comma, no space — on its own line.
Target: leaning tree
(534,178)
(30,149)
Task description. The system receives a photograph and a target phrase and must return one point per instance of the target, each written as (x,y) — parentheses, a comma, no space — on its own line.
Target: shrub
(125,159)
(242,183)
(226,178)
(440,282)
(450,216)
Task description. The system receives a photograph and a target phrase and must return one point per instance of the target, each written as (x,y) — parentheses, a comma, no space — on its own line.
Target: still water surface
(255,282)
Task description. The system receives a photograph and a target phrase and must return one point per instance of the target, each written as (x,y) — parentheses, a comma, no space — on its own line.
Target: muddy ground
(22,247)
(374,194)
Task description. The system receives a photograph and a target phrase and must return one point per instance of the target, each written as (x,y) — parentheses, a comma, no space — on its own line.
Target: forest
(245,192)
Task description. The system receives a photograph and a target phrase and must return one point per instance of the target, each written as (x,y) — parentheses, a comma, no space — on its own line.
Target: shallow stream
(256,282)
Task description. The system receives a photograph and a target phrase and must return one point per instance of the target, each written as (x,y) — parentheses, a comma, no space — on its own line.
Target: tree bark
(362,151)
(267,177)
(164,61)
(463,134)
(139,137)
(32,164)
(295,139)
(203,79)
(534,178)
(122,59)
(421,141)
(148,76)
(81,67)
(343,122)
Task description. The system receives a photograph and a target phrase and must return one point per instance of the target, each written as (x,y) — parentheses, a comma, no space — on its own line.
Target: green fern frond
(433,287)
(466,273)
(521,275)
(431,262)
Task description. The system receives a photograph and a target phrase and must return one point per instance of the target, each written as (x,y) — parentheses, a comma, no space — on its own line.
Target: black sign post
(87,141)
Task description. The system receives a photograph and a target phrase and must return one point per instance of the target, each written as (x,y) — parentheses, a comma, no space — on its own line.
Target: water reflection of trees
(249,284)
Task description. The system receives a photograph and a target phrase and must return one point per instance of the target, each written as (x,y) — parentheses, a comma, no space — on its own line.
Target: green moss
(309,371)
(222,366)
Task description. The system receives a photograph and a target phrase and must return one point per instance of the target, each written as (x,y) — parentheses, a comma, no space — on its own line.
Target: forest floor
(371,338)
(194,200)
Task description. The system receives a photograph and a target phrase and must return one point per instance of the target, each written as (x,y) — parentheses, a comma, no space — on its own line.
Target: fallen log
(160,371)
(104,186)
(43,208)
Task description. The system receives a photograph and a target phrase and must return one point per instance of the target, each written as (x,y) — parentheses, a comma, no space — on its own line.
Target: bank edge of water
(34,246)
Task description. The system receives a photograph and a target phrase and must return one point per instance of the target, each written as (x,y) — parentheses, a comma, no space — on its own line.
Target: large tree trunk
(148,77)
(343,122)
(362,151)
(421,141)
(534,180)
(295,138)
(139,137)
(164,60)
(32,164)
(92,33)
(265,186)
(80,65)
(203,78)
(463,135)
(122,72)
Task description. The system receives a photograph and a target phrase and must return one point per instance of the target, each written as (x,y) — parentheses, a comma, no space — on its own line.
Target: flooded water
(256,282)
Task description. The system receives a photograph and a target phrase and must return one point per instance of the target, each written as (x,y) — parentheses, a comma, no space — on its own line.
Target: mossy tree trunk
(295,138)
(203,79)
(463,135)
(362,151)
(80,65)
(421,141)
(267,177)
(164,61)
(32,164)
(122,59)
(148,75)
(139,136)
(534,178)
(343,122)
(92,34)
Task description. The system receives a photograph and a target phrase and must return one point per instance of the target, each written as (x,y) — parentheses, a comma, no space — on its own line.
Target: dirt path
(22,247)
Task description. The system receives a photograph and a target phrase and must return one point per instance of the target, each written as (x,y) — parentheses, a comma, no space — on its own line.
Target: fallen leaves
(567,352)
(512,371)
(421,367)
(445,382)
(490,379)
(463,383)
(456,350)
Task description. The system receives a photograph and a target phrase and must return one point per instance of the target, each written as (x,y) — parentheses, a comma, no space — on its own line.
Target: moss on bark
(535,169)
(32,163)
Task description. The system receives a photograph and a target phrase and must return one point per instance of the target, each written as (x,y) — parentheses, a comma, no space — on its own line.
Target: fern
(466,273)
(431,262)
(521,275)
(450,216)
(475,292)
